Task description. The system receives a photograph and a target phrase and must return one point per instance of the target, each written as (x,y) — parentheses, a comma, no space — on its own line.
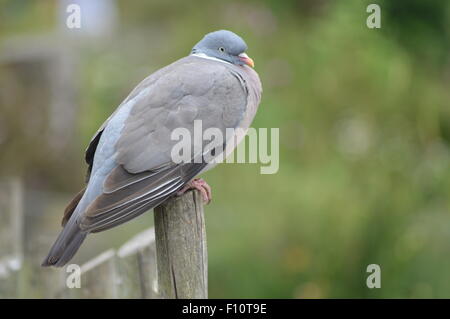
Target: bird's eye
(221,49)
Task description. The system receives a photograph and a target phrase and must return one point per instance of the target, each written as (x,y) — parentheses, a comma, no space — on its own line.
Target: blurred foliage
(364,118)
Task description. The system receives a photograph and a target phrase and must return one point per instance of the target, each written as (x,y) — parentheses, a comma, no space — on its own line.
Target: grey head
(224,45)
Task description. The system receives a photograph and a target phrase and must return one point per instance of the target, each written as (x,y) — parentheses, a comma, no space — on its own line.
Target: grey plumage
(130,167)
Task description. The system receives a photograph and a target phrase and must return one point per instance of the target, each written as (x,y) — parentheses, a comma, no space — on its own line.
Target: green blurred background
(364,118)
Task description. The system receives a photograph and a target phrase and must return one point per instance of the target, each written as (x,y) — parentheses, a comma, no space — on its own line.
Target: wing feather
(98,217)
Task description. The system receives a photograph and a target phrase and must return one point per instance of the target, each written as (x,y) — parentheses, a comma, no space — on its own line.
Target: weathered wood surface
(181,247)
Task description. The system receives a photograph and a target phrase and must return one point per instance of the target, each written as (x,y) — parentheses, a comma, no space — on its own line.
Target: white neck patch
(204,56)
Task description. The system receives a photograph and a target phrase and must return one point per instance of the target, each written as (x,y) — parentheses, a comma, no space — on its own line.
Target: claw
(201,185)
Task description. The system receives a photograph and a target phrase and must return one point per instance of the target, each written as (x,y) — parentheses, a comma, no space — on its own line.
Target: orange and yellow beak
(246,59)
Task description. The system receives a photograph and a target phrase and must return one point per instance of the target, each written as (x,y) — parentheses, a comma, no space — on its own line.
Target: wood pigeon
(130,166)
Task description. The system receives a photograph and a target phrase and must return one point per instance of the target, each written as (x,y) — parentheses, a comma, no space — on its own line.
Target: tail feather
(65,246)
(70,238)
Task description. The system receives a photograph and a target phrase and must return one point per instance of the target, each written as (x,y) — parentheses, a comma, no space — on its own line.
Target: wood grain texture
(181,247)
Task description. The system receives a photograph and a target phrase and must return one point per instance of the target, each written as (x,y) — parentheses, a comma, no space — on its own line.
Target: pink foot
(200,185)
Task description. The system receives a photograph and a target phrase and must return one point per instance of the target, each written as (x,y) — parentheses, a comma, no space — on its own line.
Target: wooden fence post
(181,247)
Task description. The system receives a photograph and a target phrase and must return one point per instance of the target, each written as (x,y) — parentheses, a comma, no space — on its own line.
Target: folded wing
(145,176)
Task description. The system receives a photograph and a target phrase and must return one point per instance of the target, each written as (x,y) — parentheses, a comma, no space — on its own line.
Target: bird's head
(224,45)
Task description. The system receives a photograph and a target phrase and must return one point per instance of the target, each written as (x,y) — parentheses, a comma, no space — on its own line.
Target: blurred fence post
(129,272)
(181,247)
(137,267)
(99,277)
(38,234)
(11,236)
(23,241)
